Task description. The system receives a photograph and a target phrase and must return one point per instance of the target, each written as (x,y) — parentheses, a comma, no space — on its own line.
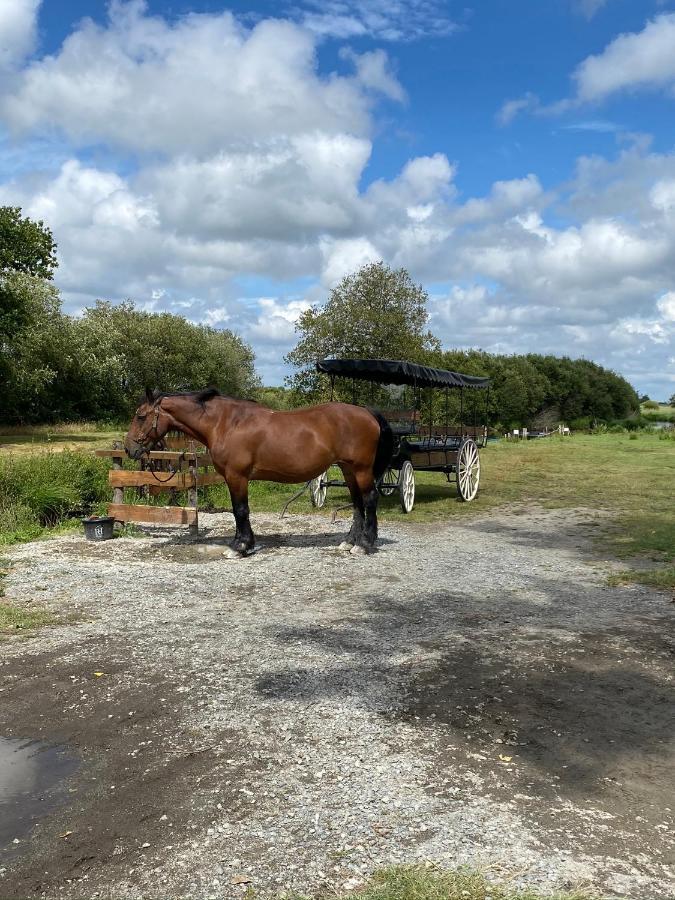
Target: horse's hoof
(358,550)
(231,553)
(345,545)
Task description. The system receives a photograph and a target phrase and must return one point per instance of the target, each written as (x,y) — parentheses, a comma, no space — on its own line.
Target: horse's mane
(200,397)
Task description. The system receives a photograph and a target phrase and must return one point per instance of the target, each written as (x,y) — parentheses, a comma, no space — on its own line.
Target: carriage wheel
(388,483)
(468,470)
(318,489)
(406,482)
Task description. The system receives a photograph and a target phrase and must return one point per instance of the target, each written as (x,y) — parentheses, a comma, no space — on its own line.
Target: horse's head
(148,426)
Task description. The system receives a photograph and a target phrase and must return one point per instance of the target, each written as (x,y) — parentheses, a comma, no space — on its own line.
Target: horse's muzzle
(133,449)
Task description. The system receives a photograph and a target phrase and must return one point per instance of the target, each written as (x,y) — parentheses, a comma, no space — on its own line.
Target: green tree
(672,400)
(121,349)
(376,312)
(31,355)
(26,248)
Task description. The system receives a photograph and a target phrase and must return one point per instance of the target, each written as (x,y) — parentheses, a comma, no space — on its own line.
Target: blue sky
(231,162)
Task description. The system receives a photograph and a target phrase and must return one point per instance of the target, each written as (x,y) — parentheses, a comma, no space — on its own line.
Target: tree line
(56,367)
(377,312)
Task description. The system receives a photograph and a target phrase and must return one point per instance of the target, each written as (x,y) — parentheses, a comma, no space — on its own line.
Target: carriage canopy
(396,371)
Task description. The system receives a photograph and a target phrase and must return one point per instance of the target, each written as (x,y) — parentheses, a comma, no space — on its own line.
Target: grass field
(629,475)
(70,436)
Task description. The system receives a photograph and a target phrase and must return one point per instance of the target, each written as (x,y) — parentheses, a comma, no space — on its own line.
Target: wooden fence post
(193,495)
(118,492)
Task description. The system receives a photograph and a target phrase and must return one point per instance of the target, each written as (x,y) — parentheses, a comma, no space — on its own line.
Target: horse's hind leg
(244,540)
(358,520)
(368,491)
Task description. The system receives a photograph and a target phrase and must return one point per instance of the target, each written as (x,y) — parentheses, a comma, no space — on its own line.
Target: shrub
(44,489)
(651,404)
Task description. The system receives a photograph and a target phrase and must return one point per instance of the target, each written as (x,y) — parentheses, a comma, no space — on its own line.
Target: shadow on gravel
(588,707)
(264,540)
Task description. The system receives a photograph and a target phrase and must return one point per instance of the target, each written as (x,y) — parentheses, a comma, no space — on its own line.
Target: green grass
(16,618)
(20,439)
(424,883)
(631,476)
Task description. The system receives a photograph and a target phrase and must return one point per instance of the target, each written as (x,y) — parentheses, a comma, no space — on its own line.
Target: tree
(121,350)
(672,400)
(27,248)
(376,312)
(30,355)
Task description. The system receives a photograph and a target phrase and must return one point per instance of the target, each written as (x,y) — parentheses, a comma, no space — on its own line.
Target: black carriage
(425,438)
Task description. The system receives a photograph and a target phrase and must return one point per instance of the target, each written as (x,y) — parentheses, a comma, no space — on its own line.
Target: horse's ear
(149,395)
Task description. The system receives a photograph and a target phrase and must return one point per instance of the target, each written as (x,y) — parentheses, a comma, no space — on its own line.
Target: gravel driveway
(471,693)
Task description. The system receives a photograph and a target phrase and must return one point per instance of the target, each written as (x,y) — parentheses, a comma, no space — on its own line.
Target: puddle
(32,782)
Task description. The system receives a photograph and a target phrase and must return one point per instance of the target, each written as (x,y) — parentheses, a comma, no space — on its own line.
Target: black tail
(385,446)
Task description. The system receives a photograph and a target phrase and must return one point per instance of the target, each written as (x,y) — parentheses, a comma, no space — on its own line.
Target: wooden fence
(184,466)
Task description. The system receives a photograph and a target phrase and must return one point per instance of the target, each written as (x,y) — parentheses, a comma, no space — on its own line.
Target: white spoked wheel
(388,483)
(468,470)
(318,489)
(406,486)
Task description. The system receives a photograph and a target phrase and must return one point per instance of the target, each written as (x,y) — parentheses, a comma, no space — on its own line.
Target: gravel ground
(471,693)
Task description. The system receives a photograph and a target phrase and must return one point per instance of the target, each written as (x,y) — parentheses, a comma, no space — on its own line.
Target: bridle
(153,427)
(143,440)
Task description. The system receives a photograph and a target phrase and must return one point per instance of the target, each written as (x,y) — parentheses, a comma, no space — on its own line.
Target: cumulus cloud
(234,176)
(18,30)
(644,59)
(195,85)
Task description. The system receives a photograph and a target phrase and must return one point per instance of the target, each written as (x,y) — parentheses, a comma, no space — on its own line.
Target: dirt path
(471,693)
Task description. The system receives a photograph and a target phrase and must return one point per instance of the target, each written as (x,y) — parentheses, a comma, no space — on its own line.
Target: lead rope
(172,471)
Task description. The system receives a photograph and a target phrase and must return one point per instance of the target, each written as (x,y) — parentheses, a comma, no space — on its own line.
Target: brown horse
(248,442)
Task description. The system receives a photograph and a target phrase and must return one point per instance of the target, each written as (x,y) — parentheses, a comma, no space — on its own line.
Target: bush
(40,490)
(651,404)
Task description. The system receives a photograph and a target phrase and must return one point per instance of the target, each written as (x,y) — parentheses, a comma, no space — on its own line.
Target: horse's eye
(140,416)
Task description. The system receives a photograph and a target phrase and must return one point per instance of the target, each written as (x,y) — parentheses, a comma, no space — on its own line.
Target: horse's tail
(385,446)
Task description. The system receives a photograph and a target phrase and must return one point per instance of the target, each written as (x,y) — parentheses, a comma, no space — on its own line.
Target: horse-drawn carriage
(426,438)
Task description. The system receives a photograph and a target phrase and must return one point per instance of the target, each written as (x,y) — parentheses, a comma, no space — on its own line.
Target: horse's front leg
(244,540)
(354,537)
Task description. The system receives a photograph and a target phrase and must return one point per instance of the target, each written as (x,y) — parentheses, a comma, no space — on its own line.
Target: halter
(143,438)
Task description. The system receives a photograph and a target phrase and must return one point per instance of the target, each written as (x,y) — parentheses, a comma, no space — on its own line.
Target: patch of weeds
(420,883)
(15,619)
(663,579)
(423,883)
(129,530)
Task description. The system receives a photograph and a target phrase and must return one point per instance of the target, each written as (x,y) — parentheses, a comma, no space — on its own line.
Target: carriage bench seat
(402,421)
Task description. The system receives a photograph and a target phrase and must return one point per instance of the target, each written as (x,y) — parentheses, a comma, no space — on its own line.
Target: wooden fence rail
(185,467)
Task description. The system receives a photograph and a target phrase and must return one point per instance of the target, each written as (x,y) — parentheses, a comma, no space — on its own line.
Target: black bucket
(98,528)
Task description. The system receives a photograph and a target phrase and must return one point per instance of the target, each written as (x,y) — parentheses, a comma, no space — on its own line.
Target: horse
(248,441)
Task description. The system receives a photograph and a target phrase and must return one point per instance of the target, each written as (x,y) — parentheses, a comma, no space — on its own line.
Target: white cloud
(276,322)
(197,85)
(666,306)
(374,73)
(232,177)
(510,109)
(644,59)
(387,20)
(18,30)
(589,8)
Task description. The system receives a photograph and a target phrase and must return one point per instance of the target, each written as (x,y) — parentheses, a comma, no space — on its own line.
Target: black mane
(201,397)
